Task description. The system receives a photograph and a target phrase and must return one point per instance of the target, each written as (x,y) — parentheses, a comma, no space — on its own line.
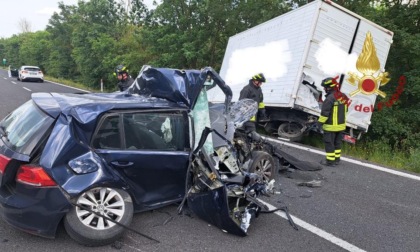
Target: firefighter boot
(337,161)
(327,162)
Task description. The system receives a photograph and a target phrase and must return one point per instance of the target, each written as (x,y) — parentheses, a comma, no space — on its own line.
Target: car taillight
(24,71)
(40,72)
(34,175)
(3,163)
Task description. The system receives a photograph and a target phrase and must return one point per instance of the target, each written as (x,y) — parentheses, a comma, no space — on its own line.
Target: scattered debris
(117,245)
(313,183)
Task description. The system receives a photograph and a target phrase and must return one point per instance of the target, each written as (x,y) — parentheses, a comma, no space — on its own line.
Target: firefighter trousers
(332,141)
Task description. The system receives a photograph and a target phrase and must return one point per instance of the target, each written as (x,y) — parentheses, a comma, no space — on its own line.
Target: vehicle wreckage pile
(230,168)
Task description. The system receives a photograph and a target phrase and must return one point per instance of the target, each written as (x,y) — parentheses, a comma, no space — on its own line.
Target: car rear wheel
(263,164)
(90,229)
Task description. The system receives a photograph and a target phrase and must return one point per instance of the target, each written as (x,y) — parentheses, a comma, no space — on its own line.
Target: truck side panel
(360,110)
(332,26)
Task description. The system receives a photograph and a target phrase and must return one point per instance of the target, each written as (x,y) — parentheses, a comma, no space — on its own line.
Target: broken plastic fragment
(313,183)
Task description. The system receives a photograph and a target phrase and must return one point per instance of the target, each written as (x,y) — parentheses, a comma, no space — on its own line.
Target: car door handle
(122,164)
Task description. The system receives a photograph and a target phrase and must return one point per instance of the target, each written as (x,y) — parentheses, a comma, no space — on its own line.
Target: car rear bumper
(30,78)
(39,215)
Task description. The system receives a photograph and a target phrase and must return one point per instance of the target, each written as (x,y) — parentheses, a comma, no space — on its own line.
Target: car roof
(30,66)
(181,86)
(86,107)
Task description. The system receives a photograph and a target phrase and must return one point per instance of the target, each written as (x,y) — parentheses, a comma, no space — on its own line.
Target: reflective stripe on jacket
(333,114)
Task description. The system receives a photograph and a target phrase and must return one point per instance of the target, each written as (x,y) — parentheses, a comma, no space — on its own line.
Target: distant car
(14,72)
(92,160)
(30,73)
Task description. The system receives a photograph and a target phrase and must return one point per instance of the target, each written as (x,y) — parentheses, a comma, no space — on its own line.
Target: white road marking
(376,167)
(321,233)
(14,82)
(27,89)
(68,86)
(5,78)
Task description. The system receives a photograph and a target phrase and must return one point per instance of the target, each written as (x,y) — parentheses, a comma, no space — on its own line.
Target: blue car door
(150,150)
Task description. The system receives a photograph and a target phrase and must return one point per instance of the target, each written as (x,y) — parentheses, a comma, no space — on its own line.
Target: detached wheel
(92,230)
(263,164)
(291,131)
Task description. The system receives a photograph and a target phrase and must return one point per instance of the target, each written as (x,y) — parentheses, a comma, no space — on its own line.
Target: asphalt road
(358,207)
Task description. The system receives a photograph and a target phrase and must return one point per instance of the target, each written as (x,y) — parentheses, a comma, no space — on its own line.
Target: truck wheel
(263,164)
(291,131)
(91,230)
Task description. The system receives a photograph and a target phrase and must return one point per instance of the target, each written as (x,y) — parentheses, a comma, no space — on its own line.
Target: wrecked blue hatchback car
(93,160)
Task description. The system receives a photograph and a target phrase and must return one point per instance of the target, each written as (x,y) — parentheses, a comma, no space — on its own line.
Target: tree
(24,25)
(35,48)
(60,28)
(194,34)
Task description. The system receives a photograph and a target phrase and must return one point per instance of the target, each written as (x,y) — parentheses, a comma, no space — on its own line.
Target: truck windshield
(24,127)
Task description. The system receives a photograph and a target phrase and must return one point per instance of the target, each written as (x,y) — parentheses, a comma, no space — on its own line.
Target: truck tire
(263,164)
(291,131)
(91,230)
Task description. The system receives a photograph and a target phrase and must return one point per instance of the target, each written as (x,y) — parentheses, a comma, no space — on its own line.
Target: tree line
(85,42)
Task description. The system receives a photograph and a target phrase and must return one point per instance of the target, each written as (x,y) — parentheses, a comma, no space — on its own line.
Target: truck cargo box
(320,39)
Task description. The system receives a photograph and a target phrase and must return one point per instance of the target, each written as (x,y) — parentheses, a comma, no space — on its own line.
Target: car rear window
(24,127)
(32,69)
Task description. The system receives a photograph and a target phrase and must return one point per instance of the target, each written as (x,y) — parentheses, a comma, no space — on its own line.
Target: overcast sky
(35,12)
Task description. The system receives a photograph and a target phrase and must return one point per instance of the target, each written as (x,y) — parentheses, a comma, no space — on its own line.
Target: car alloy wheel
(90,229)
(263,164)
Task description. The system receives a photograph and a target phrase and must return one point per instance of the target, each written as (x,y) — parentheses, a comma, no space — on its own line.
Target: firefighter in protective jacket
(333,120)
(124,79)
(253,91)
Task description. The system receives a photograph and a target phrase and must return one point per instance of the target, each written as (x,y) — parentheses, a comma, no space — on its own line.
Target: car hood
(179,86)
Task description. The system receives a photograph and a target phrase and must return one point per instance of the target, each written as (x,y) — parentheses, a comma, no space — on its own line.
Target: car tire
(263,164)
(89,229)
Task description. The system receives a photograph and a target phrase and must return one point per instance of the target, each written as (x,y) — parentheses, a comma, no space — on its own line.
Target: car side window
(108,134)
(142,131)
(154,131)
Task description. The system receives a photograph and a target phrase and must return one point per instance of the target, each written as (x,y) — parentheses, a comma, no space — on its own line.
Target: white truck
(298,49)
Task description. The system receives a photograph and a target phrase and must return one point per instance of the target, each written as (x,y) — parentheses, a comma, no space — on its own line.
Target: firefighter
(333,121)
(124,79)
(253,91)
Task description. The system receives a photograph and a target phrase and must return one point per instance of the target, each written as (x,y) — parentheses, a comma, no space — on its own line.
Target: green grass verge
(71,83)
(375,152)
